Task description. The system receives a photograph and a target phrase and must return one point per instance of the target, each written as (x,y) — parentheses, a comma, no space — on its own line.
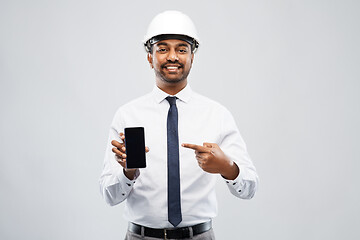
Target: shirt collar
(184,95)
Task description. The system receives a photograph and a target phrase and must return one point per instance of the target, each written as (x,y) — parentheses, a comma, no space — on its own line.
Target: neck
(171,88)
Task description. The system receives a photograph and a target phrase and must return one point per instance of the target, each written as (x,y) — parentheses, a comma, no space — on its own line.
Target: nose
(172,56)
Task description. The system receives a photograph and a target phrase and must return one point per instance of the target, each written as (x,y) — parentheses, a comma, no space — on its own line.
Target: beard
(172,77)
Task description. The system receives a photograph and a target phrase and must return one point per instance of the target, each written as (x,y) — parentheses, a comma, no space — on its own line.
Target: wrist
(231,171)
(129,173)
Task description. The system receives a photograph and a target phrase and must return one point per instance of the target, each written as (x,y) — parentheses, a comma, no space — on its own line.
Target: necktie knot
(171,100)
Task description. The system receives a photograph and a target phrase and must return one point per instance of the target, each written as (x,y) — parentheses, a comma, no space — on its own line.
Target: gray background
(287,70)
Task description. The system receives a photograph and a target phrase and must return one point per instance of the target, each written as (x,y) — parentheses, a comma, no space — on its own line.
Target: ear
(150,60)
(192,57)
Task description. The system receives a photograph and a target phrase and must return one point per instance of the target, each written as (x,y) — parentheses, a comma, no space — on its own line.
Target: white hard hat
(171,23)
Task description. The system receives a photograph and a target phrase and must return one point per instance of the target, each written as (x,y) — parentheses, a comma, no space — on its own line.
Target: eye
(161,50)
(183,50)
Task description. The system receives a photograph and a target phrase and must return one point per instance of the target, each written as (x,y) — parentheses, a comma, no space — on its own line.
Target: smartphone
(135,147)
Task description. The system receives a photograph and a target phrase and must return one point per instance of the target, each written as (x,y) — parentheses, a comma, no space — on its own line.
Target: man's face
(171,60)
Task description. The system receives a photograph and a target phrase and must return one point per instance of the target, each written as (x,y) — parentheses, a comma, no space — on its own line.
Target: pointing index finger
(200,149)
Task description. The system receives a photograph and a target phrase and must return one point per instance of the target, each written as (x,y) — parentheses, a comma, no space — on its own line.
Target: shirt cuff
(124,179)
(237,183)
(126,185)
(120,174)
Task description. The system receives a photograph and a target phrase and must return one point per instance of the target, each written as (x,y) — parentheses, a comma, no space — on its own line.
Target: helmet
(170,25)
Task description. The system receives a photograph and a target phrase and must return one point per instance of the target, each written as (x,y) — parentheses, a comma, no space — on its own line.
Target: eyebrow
(179,45)
(183,45)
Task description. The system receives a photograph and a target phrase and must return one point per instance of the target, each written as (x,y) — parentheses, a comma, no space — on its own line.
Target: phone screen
(135,147)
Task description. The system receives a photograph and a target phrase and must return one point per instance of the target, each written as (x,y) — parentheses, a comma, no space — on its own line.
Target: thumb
(209,145)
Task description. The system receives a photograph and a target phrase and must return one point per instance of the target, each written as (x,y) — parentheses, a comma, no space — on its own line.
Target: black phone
(135,147)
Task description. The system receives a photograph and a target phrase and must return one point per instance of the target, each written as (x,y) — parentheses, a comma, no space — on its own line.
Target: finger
(199,159)
(119,153)
(117,144)
(213,147)
(202,155)
(147,149)
(209,145)
(121,161)
(195,147)
(122,137)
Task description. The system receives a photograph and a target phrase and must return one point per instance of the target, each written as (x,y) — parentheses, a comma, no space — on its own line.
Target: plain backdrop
(287,70)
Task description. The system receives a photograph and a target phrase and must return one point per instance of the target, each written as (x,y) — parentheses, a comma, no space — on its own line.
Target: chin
(173,80)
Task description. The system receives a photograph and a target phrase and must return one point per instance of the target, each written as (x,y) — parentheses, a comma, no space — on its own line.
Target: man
(190,139)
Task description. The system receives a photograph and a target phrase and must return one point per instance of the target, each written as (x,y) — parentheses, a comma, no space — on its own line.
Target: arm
(230,160)
(246,183)
(114,185)
(213,160)
(116,182)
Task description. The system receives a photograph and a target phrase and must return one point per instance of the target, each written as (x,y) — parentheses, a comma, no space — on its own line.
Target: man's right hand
(120,153)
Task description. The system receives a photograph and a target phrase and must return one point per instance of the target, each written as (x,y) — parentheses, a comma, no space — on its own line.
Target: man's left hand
(212,159)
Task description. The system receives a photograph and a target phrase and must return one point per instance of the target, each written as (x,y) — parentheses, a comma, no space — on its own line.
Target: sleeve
(232,144)
(114,185)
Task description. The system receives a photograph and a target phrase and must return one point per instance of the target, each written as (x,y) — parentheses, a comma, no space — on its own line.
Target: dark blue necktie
(174,205)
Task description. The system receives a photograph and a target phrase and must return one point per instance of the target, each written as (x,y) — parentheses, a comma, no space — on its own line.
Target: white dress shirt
(200,120)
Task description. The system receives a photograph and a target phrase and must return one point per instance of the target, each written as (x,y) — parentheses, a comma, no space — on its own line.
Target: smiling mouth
(172,68)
